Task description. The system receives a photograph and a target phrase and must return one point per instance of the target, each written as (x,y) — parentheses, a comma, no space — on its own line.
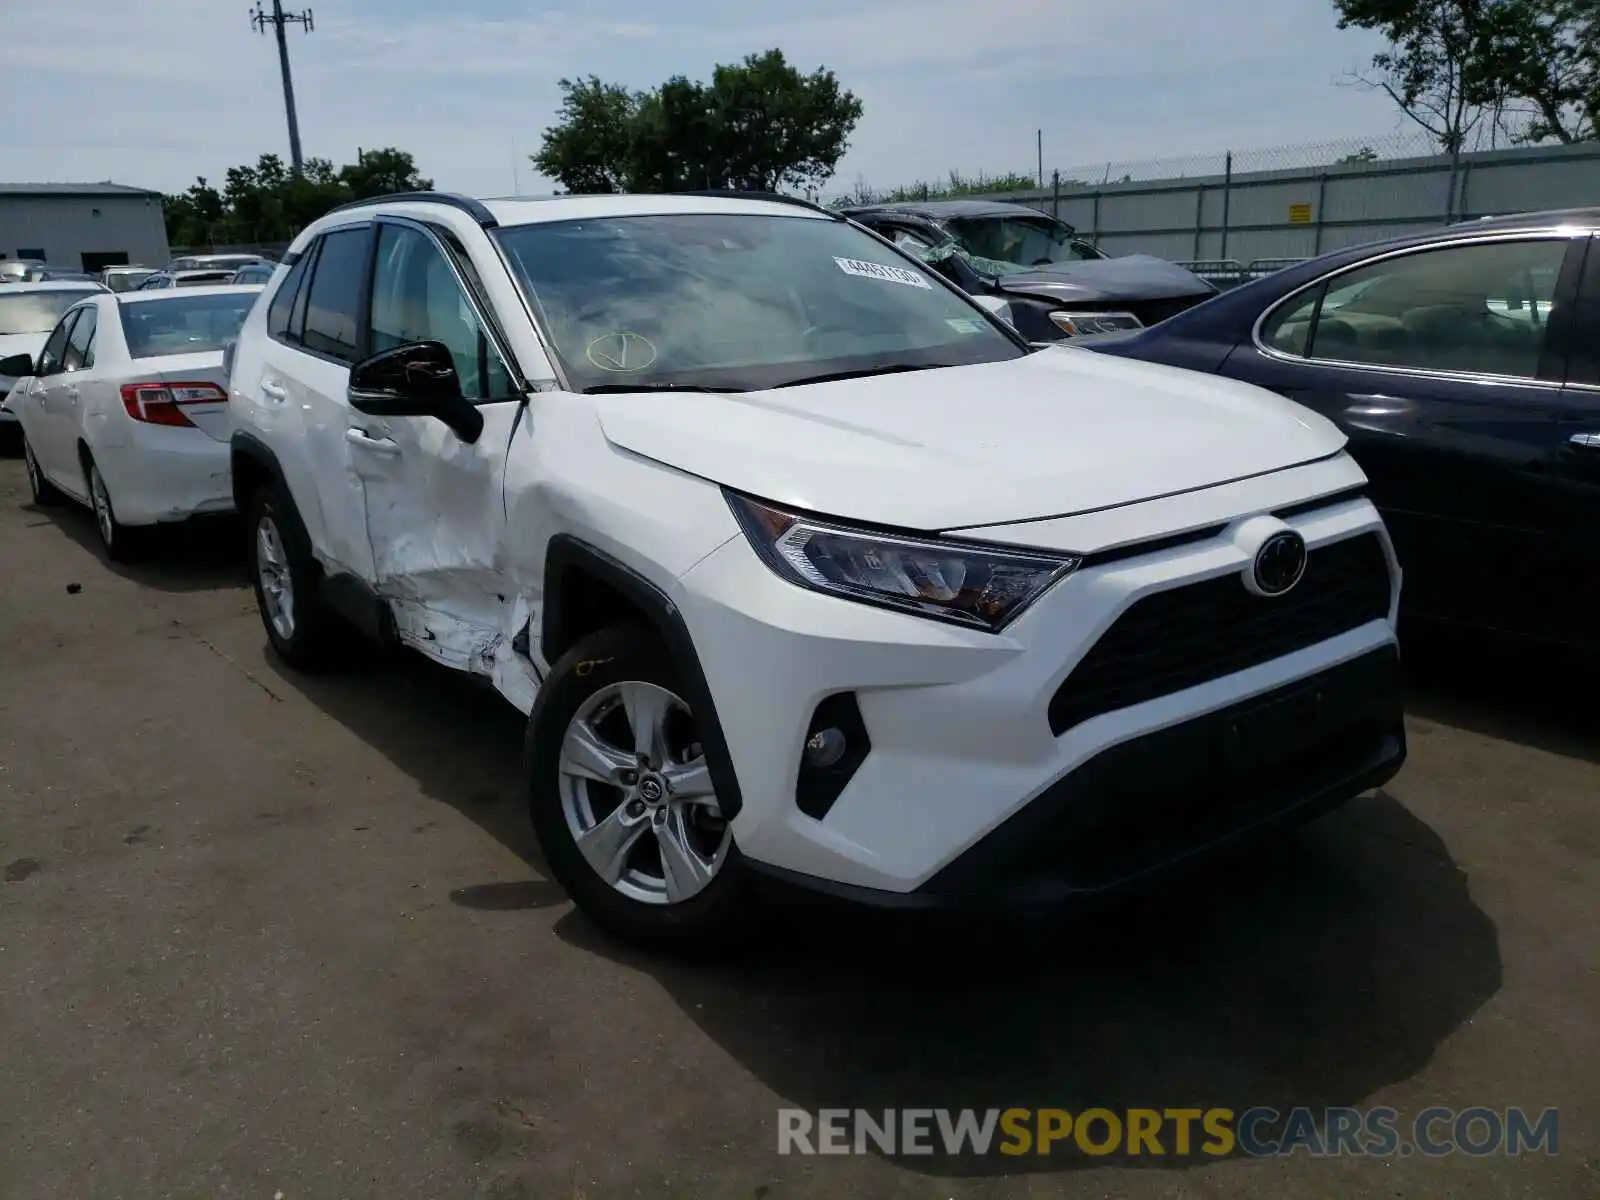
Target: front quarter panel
(563,477)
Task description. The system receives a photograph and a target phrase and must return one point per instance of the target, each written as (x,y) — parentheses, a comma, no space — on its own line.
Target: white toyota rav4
(804,566)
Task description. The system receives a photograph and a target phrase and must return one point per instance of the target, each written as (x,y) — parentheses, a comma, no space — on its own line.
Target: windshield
(739,300)
(37,312)
(126,281)
(1025,241)
(183,324)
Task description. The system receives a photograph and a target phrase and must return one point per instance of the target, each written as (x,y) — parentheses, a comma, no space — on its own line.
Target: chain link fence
(1404,144)
(1237,214)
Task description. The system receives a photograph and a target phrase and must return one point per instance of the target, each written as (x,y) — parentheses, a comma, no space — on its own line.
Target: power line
(278,19)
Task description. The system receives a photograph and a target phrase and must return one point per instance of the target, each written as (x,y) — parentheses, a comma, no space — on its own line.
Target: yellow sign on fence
(1299,214)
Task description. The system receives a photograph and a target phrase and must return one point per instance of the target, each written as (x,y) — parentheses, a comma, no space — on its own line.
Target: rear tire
(669,876)
(119,541)
(285,577)
(45,494)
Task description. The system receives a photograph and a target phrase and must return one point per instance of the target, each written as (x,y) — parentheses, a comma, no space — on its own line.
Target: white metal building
(82,226)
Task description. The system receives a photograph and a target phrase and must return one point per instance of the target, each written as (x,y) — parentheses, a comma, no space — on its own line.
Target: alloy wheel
(277,584)
(104,521)
(31,465)
(637,796)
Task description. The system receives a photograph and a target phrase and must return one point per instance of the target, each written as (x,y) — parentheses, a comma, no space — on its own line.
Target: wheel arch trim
(247,445)
(567,553)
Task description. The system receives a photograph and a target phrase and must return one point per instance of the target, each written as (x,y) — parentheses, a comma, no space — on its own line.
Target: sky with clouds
(155,92)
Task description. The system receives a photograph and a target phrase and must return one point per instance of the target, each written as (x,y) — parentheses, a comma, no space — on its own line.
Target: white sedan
(28,312)
(126,408)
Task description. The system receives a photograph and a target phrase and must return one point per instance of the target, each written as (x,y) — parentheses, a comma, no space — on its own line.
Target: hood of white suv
(1058,432)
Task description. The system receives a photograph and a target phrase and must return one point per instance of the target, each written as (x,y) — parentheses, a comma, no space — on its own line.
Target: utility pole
(277,18)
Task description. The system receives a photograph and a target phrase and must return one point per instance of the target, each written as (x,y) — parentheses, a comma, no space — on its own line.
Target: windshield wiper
(607,389)
(862,373)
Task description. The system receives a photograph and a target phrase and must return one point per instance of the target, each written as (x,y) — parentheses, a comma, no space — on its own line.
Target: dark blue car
(1464,364)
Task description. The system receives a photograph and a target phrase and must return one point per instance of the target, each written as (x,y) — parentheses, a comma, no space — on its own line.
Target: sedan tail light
(163,403)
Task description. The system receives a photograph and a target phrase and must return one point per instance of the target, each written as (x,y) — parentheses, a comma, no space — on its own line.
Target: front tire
(623,804)
(285,577)
(45,494)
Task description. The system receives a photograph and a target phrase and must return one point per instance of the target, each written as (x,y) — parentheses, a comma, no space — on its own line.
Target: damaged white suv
(805,568)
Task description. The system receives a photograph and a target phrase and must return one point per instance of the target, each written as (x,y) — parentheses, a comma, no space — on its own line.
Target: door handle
(274,391)
(377,445)
(1585,441)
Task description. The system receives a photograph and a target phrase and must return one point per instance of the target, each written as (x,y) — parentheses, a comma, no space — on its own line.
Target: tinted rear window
(333,312)
(183,324)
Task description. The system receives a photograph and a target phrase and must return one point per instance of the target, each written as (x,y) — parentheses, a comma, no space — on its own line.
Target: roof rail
(773,197)
(466,204)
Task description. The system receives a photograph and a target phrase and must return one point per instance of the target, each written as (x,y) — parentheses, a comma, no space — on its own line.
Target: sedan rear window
(126,281)
(37,312)
(183,324)
(739,301)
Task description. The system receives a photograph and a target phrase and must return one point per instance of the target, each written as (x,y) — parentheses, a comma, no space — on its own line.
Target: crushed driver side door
(435,503)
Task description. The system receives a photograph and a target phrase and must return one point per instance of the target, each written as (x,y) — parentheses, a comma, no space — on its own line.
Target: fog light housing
(836,744)
(826,747)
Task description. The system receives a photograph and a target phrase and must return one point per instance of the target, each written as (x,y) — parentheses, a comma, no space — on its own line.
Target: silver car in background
(125,279)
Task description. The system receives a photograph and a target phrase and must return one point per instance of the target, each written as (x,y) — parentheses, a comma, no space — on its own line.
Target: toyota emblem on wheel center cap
(651,789)
(1279,563)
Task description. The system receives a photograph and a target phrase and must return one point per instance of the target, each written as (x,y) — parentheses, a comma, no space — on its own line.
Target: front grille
(1193,634)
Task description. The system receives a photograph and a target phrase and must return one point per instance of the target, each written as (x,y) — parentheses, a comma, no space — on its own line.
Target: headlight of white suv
(961,583)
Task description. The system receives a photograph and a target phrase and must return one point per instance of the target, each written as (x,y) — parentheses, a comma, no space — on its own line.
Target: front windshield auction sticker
(872,270)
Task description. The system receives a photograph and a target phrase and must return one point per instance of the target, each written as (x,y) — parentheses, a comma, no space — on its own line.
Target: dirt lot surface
(263,934)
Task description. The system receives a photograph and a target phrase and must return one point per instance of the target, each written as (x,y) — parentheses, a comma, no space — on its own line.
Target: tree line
(758,125)
(1529,69)
(268,202)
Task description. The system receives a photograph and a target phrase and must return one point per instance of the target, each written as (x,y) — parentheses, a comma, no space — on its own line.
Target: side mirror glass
(417,379)
(16,365)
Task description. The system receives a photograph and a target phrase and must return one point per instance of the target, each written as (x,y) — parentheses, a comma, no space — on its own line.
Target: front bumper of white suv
(1147,708)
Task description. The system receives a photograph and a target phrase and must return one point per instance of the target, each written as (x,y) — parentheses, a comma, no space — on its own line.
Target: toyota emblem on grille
(1279,563)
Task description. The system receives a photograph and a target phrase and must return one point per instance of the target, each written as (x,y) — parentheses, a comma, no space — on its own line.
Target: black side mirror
(417,379)
(16,365)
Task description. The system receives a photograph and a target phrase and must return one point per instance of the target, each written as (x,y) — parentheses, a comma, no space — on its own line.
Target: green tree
(267,202)
(1451,65)
(758,125)
(194,217)
(1436,67)
(1547,53)
(382,173)
(591,148)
